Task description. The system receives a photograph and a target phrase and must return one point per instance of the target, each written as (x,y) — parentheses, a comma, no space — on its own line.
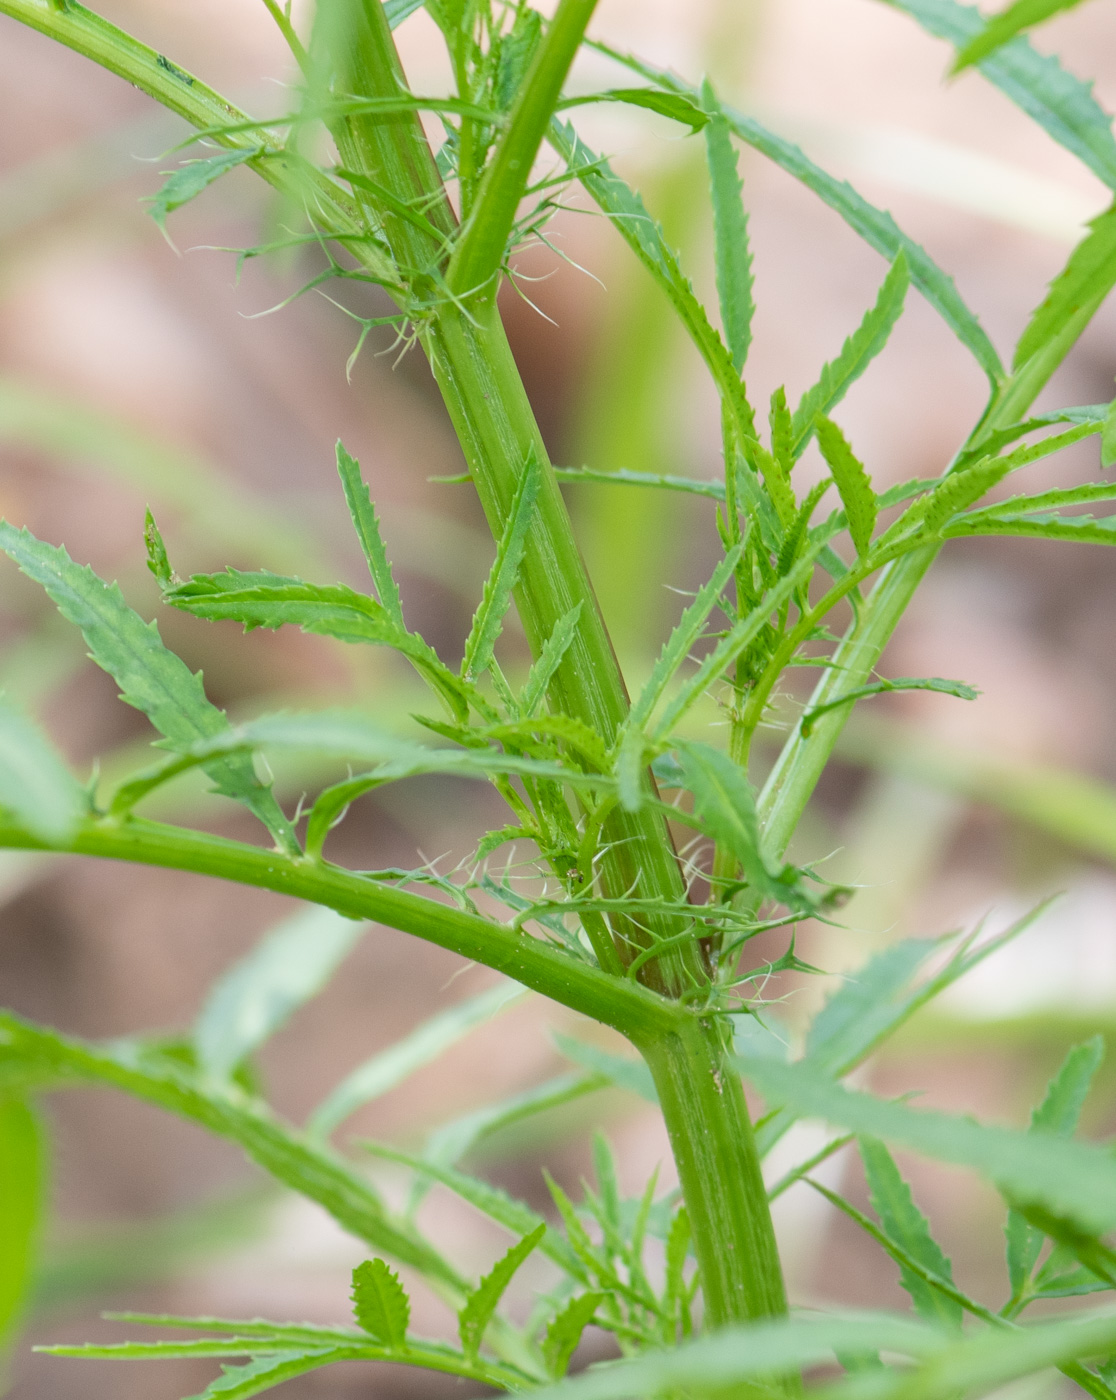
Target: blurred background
(133,372)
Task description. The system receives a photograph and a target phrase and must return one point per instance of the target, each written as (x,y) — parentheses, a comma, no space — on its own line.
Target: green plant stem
(718,1168)
(627,1007)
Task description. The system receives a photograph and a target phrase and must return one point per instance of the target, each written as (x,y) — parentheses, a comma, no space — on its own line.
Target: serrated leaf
(254,998)
(150,677)
(905,1224)
(240,1382)
(157,560)
(425,1043)
(23,1168)
(563,1334)
(488,621)
(367,527)
(380,1302)
(1058,1115)
(1004,26)
(1075,293)
(857,353)
(732,253)
(35,785)
(628,215)
(1062,105)
(853,483)
(1076,1181)
(875,226)
(549,659)
(1079,529)
(188,181)
(480,1306)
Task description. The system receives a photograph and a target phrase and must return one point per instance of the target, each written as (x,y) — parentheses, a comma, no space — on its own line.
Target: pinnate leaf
(853,482)
(481,1304)
(380,1302)
(1075,293)
(150,677)
(905,1224)
(857,353)
(367,526)
(564,1331)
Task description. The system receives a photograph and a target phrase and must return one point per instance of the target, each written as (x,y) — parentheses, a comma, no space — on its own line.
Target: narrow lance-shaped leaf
(35,785)
(496,598)
(22,1192)
(187,182)
(1075,293)
(1108,437)
(732,253)
(425,1043)
(1062,104)
(481,1304)
(1058,1115)
(150,677)
(256,996)
(380,1302)
(853,482)
(564,1330)
(241,1382)
(1002,27)
(367,526)
(549,659)
(857,353)
(905,1224)
(1071,1179)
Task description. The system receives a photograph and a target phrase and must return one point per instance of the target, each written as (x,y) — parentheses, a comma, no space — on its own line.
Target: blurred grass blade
(23,1168)
(397,1063)
(254,998)
(35,784)
(621,1070)
(905,1224)
(1004,26)
(1074,1180)
(151,678)
(367,526)
(1062,105)
(857,353)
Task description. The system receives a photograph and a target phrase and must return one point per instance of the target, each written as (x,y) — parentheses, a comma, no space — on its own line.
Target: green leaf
(549,659)
(426,1043)
(23,1167)
(1075,293)
(1074,1180)
(563,1333)
(853,482)
(151,678)
(682,640)
(620,1070)
(157,560)
(481,1304)
(149,1351)
(628,215)
(488,620)
(380,1302)
(726,803)
(1002,27)
(1058,1115)
(857,353)
(367,526)
(188,181)
(254,998)
(240,1382)
(1081,529)
(35,785)
(1062,105)
(398,10)
(904,1223)
(1108,437)
(44,1056)
(732,253)
(938,684)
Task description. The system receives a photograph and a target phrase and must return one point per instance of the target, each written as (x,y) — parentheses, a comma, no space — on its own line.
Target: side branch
(627,1007)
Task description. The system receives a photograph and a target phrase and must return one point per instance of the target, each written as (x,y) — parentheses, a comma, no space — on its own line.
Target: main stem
(700,1092)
